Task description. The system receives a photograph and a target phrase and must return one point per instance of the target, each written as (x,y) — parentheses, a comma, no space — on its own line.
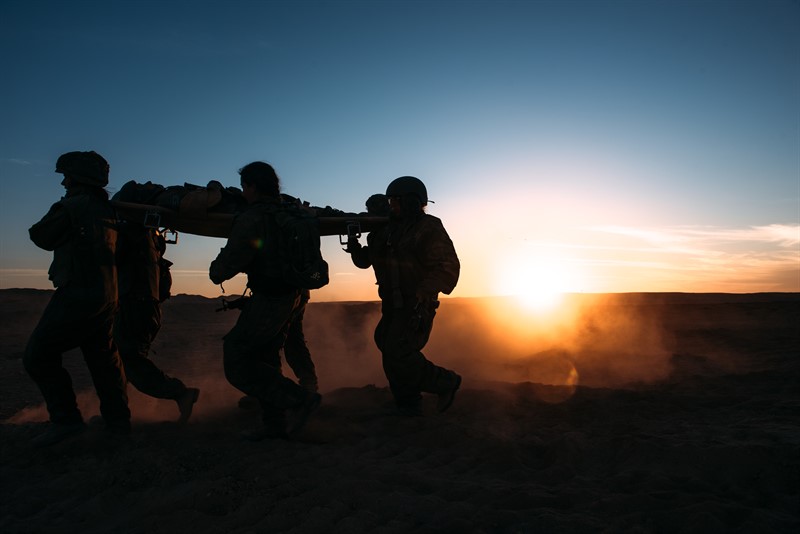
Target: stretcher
(214,224)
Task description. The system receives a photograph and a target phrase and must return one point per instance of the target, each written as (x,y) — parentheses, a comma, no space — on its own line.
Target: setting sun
(538,282)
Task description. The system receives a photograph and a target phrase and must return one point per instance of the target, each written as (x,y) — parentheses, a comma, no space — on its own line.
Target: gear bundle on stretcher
(209,211)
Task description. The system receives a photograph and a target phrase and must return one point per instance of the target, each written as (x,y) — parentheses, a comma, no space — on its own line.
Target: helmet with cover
(88,168)
(408,185)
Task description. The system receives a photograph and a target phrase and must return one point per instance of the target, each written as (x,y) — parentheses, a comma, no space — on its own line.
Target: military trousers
(295,349)
(69,322)
(401,336)
(136,325)
(251,353)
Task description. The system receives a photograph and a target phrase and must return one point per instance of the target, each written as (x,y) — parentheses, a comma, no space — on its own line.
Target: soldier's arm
(53,230)
(358,254)
(439,261)
(237,254)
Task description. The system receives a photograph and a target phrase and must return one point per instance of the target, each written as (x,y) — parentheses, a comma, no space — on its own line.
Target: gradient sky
(585,146)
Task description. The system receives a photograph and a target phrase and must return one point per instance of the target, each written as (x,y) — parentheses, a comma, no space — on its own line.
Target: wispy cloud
(783,235)
(691,258)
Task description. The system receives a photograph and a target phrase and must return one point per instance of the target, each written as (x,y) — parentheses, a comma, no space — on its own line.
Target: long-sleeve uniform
(251,350)
(414,260)
(80,230)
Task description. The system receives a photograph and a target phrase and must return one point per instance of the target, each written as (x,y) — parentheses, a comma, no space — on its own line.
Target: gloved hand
(352,244)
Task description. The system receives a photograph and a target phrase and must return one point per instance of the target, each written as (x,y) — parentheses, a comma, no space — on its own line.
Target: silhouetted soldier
(252,348)
(80,230)
(414,260)
(295,348)
(144,282)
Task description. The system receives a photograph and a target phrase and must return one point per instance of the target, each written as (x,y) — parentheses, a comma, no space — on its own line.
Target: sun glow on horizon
(539,283)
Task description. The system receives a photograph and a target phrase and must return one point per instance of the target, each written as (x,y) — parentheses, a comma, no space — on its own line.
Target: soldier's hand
(426,296)
(352,244)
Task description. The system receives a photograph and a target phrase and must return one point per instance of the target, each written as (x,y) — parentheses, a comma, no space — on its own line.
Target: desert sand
(613,413)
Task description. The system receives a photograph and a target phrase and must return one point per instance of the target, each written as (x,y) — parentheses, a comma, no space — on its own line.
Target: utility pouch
(421,323)
(422,317)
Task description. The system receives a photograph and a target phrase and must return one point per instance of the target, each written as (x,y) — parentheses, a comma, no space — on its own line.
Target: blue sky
(595,146)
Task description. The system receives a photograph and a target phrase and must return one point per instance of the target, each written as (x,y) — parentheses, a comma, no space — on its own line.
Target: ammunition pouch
(421,321)
(424,311)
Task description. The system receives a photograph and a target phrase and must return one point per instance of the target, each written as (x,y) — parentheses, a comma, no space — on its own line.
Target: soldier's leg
(251,354)
(252,364)
(408,370)
(43,362)
(136,325)
(107,372)
(298,357)
(407,398)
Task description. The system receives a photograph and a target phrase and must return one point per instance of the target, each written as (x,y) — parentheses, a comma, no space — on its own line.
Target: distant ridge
(630,298)
(662,298)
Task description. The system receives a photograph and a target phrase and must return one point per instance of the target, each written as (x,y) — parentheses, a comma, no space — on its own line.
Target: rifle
(235,304)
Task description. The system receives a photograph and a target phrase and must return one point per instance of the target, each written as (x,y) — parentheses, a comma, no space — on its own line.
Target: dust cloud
(597,341)
(588,340)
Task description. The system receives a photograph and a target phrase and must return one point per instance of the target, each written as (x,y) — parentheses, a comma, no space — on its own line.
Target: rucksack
(138,193)
(302,264)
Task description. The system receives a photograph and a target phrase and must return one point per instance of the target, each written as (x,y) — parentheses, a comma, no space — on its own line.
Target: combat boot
(446,398)
(298,415)
(186,404)
(273,427)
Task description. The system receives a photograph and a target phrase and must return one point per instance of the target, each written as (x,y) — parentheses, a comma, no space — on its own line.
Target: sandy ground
(628,413)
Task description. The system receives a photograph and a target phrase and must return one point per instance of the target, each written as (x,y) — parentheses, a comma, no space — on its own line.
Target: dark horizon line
(662,296)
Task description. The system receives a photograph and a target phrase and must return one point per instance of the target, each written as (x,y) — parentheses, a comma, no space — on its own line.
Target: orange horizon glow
(538,282)
(536,295)
(537,258)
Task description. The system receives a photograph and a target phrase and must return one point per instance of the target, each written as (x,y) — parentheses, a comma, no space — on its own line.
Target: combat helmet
(88,168)
(408,185)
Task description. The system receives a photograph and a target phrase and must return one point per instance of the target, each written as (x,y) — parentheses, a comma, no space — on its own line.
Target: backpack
(138,193)
(302,264)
